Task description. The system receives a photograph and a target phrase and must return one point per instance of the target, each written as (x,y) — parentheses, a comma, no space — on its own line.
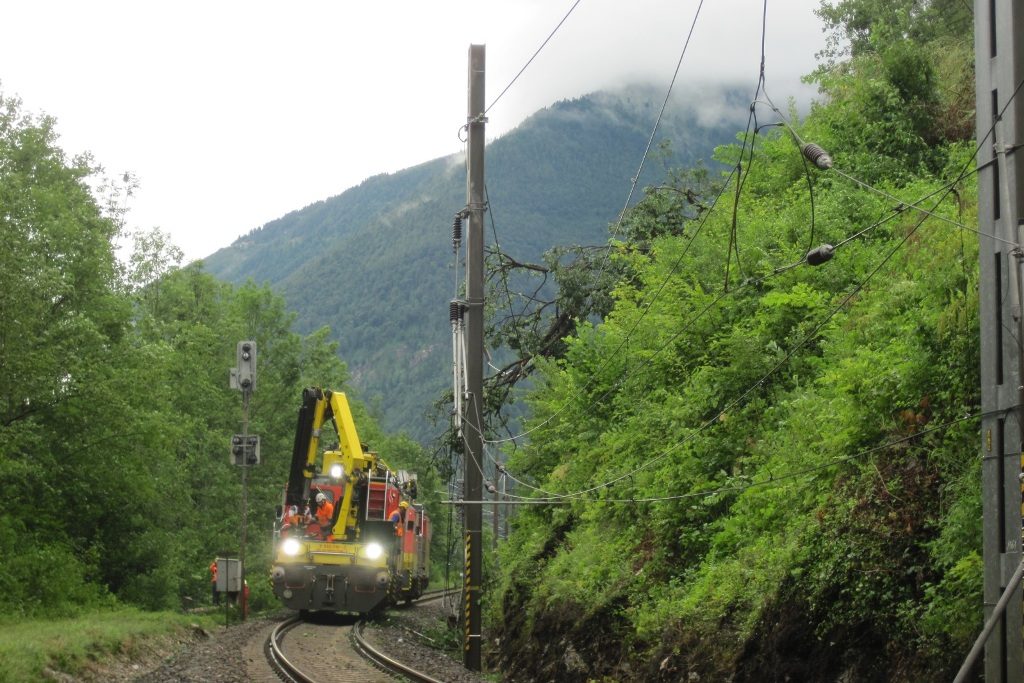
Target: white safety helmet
(320,498)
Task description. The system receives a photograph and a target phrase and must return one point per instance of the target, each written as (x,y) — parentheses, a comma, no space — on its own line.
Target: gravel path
(414,635)
(224,656)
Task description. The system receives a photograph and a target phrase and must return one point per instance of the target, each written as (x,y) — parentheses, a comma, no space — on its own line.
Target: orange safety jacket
(396,519)
(213,572)
(324,513)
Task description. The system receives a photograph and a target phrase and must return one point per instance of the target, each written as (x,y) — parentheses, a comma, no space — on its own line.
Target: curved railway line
(320,656)
(382,660)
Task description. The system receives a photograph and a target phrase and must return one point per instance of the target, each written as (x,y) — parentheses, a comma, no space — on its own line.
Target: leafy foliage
(115,411)
(769,474)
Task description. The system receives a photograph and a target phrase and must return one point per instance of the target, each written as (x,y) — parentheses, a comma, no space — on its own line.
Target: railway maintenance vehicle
(349,534)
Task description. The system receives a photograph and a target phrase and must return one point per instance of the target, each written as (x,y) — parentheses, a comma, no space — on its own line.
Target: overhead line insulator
(817,156)
(815,257)
(457,232)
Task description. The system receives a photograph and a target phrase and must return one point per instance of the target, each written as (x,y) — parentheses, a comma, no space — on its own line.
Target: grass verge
(34,649)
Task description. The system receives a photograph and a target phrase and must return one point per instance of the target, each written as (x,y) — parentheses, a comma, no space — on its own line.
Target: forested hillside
(115,412)
(762,465)
(375,263)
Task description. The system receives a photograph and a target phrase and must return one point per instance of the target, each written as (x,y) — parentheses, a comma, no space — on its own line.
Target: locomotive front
(337,577)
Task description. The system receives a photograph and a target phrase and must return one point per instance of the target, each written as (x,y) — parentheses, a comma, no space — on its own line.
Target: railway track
(316,653)
(437,595)
(388,663)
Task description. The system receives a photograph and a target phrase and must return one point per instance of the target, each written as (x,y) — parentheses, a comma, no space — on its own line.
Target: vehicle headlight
(336,471)
(373,551)
(291,547)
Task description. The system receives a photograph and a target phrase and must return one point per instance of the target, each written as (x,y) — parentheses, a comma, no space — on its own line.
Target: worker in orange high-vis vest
(213,582)
(398,518)
(324,513)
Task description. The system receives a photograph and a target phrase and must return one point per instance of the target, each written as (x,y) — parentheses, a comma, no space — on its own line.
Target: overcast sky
(232,114)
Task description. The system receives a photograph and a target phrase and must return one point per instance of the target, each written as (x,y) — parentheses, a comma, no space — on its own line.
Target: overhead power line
(530,60)
(771,480)
(657,123)
(945,189)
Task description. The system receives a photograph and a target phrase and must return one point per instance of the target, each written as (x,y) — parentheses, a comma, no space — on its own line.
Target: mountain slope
(375,263)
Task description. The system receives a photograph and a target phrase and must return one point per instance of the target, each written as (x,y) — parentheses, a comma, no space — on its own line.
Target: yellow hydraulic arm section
(354,462)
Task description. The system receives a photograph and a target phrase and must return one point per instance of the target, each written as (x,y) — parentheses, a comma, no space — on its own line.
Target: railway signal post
(245,447)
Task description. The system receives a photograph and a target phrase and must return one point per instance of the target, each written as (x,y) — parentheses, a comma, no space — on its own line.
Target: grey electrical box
(229,575)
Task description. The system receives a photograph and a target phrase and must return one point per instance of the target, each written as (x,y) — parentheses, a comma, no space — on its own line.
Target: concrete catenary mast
(998,65)
(473,434)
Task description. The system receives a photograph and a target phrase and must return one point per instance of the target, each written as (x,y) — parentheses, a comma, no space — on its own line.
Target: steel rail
(276,656)
(382,660)
(285,668)
(437,595)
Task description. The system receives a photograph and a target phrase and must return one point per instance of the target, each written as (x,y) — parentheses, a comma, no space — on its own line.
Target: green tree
(62,330)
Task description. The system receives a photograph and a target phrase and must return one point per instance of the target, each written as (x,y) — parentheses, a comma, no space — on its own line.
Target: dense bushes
(770,467)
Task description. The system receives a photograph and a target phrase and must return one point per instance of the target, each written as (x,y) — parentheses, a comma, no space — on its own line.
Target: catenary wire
(654,131)
(530,60)
(772,478)
(752,283)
